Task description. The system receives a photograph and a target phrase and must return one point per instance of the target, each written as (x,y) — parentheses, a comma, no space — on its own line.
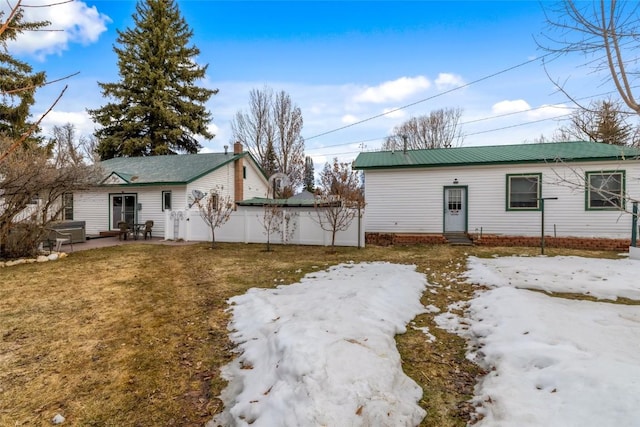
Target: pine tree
(309,178)
(18,83)
(601,121)
(158,107)
(611,127)
(269,162)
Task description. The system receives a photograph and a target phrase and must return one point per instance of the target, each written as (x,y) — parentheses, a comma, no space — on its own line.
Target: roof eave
(493,163)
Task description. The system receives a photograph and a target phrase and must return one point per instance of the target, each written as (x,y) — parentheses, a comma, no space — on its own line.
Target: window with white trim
(523,191)
(605,190)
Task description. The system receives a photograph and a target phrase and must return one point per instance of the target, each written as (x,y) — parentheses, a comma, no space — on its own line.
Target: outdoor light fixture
(455,181)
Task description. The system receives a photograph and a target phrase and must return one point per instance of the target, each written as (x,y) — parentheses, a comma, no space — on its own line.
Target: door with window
(455,209)
(123,208)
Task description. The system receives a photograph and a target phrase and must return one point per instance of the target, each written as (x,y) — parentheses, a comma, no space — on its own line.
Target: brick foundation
(389,239)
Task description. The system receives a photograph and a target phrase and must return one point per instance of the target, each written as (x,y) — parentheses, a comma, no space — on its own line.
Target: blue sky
(341,62)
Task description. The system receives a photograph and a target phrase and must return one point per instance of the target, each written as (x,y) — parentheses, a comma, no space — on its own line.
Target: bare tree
(89,148)
(65,145)
(32,185)
(31,190)
(289,145)
(439,129)
(271,130)
(271,221)
(605,32)
(340,198)
(215,210)
(254,129)
(602,121)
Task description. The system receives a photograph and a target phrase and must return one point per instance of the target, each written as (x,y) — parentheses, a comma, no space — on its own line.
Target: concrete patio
(103,242)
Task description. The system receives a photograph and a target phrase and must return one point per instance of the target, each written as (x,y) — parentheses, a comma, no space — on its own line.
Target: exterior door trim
(465,206)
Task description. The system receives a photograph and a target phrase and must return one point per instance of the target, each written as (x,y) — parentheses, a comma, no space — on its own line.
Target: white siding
(255,185)
(411,200)
(220,180)
(93,206)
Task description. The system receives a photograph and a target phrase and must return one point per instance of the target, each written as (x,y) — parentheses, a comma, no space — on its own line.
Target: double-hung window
(605,190)
(523,191)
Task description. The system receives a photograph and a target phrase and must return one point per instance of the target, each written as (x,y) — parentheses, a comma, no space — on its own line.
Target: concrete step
(458,239)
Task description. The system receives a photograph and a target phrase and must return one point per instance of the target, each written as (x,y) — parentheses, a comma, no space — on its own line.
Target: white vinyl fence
(246,226)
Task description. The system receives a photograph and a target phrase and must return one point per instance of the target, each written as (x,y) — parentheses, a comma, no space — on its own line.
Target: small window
(244,172)
(214,201)
(605,190)
(67,206)
(454,202)
(523,192)
(166,200)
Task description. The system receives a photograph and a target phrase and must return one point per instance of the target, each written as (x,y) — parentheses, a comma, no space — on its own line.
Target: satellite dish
(197,194)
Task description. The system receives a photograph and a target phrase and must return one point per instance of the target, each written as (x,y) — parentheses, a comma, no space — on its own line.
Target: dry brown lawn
(136,335)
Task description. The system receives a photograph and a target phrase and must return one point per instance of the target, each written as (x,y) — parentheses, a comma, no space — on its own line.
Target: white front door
(455,209)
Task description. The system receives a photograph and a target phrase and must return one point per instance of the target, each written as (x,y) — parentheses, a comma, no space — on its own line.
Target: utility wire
(431,97)
(485,119)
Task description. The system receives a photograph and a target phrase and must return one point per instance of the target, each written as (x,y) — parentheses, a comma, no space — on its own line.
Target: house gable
(114,179)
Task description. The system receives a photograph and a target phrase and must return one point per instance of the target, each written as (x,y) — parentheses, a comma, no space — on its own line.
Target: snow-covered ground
(553,361)
(322,352)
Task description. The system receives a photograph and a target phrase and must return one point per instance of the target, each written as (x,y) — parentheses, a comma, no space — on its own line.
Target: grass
(135,335)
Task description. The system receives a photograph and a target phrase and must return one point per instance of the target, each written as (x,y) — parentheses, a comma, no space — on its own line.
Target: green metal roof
(170,169)
(290,202)
(578,151)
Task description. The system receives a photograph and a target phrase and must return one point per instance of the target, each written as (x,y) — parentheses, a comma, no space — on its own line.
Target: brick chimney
(238,173)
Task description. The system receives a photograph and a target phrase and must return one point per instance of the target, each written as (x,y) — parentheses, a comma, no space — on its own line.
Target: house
(497,194)
(137,189)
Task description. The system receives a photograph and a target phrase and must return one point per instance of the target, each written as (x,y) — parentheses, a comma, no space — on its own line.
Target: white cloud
(349,119)
(73,22)
(545,111)
(80,119)
(394,113)
(395,90)
(448,81)
(505,107)
(213,128)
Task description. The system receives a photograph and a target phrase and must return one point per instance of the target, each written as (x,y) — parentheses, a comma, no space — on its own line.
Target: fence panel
(246,226)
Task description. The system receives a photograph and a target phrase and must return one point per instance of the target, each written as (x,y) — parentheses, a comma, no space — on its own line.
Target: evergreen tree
(611,127)
(269,162)
(18,83)
(601,121)
(158,108)
(309,178)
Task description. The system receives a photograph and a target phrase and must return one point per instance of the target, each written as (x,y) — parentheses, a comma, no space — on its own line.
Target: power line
(516,125)
(469,134)
(431,97)
(485,119)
